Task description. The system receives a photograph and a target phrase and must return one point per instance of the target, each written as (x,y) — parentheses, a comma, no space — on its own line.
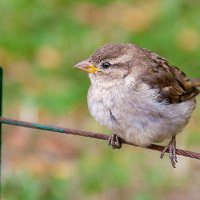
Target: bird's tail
(195,82)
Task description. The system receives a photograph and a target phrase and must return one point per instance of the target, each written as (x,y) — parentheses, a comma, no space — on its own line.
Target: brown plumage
(173,84)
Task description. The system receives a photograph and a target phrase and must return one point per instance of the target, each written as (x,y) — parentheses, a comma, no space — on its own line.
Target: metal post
(1,96)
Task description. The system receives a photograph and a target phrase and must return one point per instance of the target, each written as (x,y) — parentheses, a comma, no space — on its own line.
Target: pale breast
(101,104)
(135,115)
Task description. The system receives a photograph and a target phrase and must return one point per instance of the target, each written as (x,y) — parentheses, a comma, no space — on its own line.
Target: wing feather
(173,85)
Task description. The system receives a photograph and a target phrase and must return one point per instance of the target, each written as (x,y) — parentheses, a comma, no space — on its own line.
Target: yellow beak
(85,65)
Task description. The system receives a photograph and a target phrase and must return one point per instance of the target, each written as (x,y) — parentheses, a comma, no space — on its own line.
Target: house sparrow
(139,96)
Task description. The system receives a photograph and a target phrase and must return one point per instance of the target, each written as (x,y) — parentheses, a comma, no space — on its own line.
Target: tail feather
(195,82)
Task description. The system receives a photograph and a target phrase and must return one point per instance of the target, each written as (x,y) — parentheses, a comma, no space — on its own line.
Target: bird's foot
(171,148)
(114,141)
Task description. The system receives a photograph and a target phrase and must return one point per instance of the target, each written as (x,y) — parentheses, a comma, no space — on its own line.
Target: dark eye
(105,65)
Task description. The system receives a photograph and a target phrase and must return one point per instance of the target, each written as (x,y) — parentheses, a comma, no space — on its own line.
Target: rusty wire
(101,136)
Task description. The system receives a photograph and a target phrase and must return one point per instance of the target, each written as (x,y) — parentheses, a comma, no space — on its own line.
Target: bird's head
(112,62)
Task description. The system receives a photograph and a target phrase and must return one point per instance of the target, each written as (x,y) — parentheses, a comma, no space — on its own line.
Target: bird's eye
(105,65)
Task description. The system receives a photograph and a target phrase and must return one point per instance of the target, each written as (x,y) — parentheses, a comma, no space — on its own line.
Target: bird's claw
(171,147)
(114,141)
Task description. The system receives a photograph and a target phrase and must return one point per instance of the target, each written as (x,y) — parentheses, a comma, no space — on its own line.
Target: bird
(139,96)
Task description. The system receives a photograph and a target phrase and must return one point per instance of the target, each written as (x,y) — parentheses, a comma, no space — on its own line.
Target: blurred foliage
(40,41)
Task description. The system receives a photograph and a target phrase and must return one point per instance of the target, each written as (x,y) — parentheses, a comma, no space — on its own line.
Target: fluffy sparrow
(139,96)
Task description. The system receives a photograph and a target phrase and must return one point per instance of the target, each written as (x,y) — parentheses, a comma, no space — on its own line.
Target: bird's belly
(143,127)
(139,123)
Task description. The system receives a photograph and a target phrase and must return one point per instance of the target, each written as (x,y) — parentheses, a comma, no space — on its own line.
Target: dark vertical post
(1,96)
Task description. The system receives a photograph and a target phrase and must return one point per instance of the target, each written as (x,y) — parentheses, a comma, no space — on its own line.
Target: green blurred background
(40,41)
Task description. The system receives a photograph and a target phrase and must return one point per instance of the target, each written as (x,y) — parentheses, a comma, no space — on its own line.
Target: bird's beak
(87,66)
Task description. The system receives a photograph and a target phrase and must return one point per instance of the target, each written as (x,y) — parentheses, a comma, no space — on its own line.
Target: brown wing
(173,84)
